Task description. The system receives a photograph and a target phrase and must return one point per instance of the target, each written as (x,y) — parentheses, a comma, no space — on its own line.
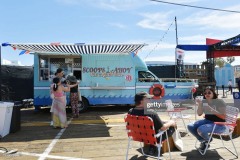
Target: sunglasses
(147,98)
(205,93)
(208,87)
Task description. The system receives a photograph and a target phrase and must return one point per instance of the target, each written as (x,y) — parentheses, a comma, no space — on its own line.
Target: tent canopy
(76,49)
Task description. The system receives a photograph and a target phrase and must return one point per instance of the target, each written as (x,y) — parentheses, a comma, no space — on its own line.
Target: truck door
(144,81)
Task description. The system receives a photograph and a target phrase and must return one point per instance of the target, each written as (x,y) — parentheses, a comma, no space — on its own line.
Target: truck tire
(83,105)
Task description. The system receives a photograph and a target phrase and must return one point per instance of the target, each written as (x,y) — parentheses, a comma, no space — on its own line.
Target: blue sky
(117,21)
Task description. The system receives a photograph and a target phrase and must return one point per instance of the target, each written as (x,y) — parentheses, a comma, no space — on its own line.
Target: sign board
(236,98)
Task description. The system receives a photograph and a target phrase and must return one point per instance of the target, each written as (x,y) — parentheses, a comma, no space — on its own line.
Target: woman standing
(214,110)
(74,96)
(60,74)
(59,104)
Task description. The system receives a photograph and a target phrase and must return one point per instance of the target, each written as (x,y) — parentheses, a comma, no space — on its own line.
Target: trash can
(5,117)
(16,117)
(236,99)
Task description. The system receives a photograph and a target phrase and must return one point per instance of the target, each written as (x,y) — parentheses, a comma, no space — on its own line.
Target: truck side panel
(108,79)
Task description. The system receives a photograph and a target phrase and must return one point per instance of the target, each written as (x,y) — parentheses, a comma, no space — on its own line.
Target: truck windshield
(144,76)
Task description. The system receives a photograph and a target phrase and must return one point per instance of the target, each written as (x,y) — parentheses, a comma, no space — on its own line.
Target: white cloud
(196,39)
(120,5)
(190,57)
(187,1)
(115,5)
(157,21)
(69,2)
(214,19)
(161,51)
(161,58)
(178,2)
(159,46)
(118,25)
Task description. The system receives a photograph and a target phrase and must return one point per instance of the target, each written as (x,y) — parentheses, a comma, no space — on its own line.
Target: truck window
(64,63)
(49,65)
(43,68)
(144,76)
(77,66)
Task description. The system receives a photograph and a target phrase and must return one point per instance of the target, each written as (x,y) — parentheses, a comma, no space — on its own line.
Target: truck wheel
(83,105)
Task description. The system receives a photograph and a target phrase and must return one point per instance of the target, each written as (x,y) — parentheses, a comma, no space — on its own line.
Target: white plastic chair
(231,122)
(176,113)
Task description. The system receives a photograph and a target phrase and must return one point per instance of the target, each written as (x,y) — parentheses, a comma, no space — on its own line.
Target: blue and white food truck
(108,73)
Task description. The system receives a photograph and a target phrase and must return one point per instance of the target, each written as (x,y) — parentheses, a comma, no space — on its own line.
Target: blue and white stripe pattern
(77,49)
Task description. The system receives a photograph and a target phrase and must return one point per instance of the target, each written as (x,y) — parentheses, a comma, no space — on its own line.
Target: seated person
(140,101)
(214,110)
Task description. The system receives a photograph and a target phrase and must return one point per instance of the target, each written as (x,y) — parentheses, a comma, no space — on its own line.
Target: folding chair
(231,119)
(176,113)
(141,129)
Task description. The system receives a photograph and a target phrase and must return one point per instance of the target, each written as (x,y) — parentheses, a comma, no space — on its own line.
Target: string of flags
(55,44)
(24,52)
(27,51)
(163,36)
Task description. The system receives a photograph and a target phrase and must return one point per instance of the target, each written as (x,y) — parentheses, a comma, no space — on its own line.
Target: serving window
(44,68)
(49,65)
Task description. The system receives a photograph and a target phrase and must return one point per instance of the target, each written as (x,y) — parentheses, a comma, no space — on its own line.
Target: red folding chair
(141,129)
(231,123)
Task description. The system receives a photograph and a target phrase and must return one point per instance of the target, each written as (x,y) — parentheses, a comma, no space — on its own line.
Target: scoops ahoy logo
(107,71)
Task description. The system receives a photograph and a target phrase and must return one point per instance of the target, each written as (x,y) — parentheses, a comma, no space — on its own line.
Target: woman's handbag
(177,140)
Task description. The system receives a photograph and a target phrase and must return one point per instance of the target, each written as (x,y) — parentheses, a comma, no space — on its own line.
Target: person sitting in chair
(140,103)
(214,110)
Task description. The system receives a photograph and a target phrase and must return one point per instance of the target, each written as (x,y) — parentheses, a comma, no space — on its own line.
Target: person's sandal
(151,150)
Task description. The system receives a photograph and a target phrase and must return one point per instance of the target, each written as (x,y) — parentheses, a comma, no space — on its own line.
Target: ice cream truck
(108,73)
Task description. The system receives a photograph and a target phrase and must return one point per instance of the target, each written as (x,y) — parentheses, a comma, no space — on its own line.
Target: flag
(6,44)
(79,43)
(55,43)
(180,54)
(134,54)
(24,52)
(27,52)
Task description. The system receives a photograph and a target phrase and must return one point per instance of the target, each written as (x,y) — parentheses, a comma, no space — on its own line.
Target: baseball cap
(139,96)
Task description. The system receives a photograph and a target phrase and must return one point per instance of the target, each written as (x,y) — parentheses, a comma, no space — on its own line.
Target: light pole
(0,74)
(175,49)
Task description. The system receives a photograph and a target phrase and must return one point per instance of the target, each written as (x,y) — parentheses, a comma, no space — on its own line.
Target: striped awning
(77,49)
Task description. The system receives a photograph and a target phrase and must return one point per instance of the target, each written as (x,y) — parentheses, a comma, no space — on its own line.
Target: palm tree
(230,59)
(220,62)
